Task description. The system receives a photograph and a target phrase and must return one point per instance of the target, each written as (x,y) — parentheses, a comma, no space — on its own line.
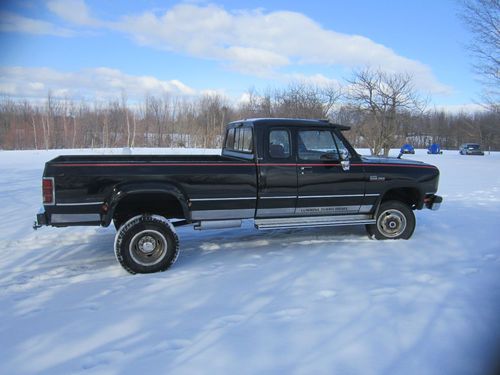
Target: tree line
(384,111)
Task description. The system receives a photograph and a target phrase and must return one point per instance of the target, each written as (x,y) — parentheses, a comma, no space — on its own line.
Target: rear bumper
(40,219)
(66,218)
(433,202)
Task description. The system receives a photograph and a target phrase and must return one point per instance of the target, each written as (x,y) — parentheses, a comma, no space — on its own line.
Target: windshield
(473,147)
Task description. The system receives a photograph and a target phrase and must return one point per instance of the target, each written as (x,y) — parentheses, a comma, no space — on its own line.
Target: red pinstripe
(233,165)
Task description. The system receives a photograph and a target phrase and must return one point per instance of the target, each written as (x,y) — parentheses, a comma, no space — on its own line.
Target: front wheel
(146,244)
(395,220)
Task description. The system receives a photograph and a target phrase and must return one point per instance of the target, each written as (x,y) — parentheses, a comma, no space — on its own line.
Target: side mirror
(346,164)
(344,155)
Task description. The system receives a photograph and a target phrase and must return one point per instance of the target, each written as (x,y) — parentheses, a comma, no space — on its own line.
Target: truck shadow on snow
(249,242)
(75,251)
(65,252)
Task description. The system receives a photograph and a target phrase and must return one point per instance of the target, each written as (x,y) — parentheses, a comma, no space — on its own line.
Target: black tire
(395,220)
(120,219)
(146,244)
(117,223)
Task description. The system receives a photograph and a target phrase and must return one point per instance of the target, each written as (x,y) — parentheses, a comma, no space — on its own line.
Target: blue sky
(97,49)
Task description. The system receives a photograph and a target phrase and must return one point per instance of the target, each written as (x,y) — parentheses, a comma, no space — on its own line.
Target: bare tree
(33,123)
(212,114)
(483,19)
(256,104)
(155,113)
(383,98)
(126,114)
(298,99)
(64,114)
(46,124)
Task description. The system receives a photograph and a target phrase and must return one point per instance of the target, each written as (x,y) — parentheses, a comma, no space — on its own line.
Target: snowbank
(325,301)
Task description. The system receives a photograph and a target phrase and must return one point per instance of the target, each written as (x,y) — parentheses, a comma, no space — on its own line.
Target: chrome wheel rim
(391,223)
(148,247)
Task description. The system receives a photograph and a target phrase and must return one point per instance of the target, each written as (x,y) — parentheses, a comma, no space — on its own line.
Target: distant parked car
(471,149)
(407,149)
(434,149)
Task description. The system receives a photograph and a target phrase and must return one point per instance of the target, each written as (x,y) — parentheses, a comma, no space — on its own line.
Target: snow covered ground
(322,301)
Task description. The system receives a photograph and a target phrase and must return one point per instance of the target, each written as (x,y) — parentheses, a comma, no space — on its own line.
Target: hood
(389,160)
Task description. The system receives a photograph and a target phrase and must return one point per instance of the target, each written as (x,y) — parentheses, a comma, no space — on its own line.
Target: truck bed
(213,186)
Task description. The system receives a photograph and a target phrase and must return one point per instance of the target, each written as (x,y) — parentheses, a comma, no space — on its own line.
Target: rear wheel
(146,244)
(120,219)
(395,220)
(117,223)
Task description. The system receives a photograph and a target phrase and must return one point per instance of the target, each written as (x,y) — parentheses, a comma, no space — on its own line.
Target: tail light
(48,190)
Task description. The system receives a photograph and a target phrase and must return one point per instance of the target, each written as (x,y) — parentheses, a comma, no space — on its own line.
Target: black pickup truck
(281,173)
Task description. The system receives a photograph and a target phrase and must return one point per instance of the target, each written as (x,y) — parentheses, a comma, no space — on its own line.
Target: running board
(313,221)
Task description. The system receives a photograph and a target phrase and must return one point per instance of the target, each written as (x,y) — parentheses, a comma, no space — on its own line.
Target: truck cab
(304,168)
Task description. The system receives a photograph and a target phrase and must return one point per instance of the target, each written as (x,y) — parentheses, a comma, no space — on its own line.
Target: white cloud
(259,43)
(74,11)
(254,61)
(100,83)
(253,42)
(314,79)
(10,22)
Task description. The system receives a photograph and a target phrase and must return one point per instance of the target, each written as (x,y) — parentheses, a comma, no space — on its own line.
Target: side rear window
(230,139)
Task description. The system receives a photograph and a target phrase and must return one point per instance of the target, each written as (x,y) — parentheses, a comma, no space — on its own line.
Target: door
(327,183)
(277,175)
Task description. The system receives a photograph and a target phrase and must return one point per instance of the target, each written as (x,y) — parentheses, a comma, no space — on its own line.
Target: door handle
(305,169)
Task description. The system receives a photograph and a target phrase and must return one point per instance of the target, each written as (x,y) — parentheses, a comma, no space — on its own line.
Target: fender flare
(120,192)
(401,185)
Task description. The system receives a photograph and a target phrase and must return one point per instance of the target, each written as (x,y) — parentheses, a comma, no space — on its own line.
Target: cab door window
(317,145)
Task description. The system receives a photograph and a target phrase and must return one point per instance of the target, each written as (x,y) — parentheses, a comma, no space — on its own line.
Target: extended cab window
(317,145)
(279,144)
(246,140)
(230,139)
(239,139)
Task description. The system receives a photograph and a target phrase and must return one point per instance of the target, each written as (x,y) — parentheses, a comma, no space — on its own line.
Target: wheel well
(162,204)
(410,196)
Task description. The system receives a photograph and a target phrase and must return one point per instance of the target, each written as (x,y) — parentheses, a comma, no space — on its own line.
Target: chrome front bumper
(433,202)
